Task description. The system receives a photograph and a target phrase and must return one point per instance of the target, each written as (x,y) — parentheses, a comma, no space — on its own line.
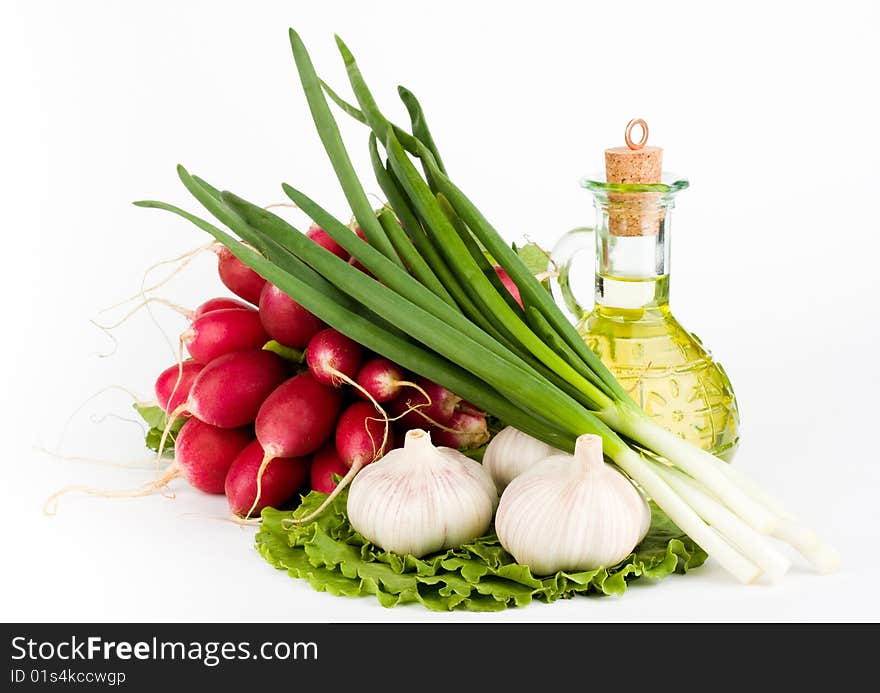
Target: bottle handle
(561,257)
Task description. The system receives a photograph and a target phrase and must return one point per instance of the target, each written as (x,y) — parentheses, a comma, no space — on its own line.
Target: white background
(769,109)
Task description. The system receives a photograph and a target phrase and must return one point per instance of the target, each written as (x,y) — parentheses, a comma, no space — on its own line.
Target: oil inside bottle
(663,367)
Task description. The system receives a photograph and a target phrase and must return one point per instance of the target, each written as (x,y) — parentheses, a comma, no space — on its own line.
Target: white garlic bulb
(511,452)
(419,498)
(571,513)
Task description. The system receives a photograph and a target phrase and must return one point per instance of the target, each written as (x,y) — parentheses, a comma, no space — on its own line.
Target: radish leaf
(156,419)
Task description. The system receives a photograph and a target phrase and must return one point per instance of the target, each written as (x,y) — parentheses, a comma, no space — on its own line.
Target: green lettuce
(480,576)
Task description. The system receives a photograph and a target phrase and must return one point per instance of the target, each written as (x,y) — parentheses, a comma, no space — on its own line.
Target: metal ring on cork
(627,135)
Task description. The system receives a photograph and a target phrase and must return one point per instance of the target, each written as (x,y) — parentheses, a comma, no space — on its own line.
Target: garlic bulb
(419,498)
(511,452)
(571,513)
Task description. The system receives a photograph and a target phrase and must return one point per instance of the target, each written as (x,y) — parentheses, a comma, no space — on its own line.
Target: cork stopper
(634,214)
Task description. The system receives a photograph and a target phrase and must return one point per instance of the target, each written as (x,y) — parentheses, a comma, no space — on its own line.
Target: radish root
(66,427)
(343,482)
(183,260)
(51,505)
(143,304)
(93,460)
(267,458)
(416,407)
(110,336)
(99,419)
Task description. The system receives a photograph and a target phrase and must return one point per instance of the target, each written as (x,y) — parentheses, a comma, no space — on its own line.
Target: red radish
(204,453)
(508,282)
(469,431)
(361,435)
(221,332)
(414,410)
(286,321)
(333,358)
(219,303)
(174,383)
(230,390)
(295,420)
(381,379)
(326,463)
(323,239)
(297,417)
(279,480)
(238,277)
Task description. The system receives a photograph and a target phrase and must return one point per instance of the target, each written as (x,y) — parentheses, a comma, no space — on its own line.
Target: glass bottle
(665,368)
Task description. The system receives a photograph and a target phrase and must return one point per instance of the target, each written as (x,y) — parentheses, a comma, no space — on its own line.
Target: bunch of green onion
(436,306)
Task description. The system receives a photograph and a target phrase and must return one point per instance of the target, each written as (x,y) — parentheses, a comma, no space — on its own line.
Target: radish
(204,453)
(333,358)
(237,276)
(508,283)
(362,435)
(464,431)
(430,405)
(326,463)
(220,332)
(219,303)
(278,481)
(295,420)
(285,320)
(297,417)
(230,390)
(323,239)
(174,383)
(381,379)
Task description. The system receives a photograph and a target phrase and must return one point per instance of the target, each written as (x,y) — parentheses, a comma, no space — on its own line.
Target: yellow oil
(665,368)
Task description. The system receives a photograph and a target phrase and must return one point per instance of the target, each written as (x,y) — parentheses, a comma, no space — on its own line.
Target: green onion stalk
(434,304)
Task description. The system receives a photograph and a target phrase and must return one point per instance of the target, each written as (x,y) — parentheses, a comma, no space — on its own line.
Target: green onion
(332,141)
(419,124)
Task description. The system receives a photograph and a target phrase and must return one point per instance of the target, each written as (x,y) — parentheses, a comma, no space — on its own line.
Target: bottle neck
(632,250)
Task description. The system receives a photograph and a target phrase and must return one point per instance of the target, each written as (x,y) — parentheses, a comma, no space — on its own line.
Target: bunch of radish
(262,428)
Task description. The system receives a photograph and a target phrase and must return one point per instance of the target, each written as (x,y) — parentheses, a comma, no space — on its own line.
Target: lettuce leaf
(480,576)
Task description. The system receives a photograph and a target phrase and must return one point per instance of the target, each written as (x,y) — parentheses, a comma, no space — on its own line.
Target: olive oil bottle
(663,366)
